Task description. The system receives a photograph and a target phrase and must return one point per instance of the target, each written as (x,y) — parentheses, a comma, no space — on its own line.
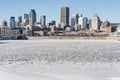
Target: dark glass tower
(65,15)
(12,22)
(32,17)
(26,18)
(19,21)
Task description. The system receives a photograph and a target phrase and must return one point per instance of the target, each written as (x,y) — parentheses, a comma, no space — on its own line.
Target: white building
(96,23)
(82,21)
(74,19)
(118,29)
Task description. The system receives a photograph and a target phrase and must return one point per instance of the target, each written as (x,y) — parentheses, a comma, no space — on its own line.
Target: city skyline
(104,9)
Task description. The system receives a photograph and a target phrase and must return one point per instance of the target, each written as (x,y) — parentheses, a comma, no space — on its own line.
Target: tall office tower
(12,22)
(83,22)
(4,23)
(65,15)
(90,23)
(96,23)
(74,19)
(43,20)
(26,18)
(19,21)
(32,17)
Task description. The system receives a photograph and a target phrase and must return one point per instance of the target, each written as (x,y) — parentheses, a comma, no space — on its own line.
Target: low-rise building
(9,32)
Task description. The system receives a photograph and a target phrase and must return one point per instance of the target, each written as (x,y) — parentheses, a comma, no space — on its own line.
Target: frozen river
(60,50)
(59,60)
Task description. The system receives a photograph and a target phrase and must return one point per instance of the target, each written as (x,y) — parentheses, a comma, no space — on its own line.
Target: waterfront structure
(7,31)
(64,17)
(96,23)
(43,20)
(32,17)
(114,27)
(12,22)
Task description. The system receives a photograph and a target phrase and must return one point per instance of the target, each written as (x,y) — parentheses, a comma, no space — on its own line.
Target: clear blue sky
(106,9)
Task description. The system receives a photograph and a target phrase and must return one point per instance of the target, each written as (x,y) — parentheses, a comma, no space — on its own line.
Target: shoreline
(66,38)
(73,38)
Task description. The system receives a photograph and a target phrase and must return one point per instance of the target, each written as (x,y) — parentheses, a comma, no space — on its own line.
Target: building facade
(43,20)
(19,21)
(74,19)
(12,22)
(64,18)
(4,23)
(32,17)
(96,23)
(83,22)
(9,32)
(26,18)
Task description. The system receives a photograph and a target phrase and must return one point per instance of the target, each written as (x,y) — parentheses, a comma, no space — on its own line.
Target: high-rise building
(96,23)
(4,23)
(74,19)
(26,18)
(90,23)
(83,22)
(19,21)
(12,22)
(43,20)
(65,15)
(32,17)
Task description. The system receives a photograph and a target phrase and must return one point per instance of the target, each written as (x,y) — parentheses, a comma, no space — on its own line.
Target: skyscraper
(65,15)
(74,19)
(26,18)
(83,22)
(32,17)
(90,23)
(19,21)
(12,22)
(43,20)
(96,23)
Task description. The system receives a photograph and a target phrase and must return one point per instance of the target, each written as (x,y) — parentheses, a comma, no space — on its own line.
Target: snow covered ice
(59,60)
